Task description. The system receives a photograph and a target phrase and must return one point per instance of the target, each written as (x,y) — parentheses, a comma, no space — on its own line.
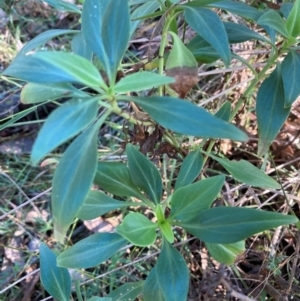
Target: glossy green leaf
(238,33)
(226,225)
(106,31)
(246,172)
(80,46)
(273,19)
(270,110)
(167,231)
(54,67)
(34,93)
(290,71)
(292,22)
(226,253)
(190,169)
(98,203)
(188,201)
(224,112)
(180,55)
(144,173)
(172,274)
(239,8)
(152,289)
(43,38)
(114,177)
(183,117)
(208,25)
(127,292)
(63,123)
(64,6)
(141,81)
(55,280)
(138,229)
(91,251)
(73,178)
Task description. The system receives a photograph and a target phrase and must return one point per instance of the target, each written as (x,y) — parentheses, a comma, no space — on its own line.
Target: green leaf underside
(63,124)
(98,203)
(55,280)
(190,169)
(114,177)
(172,274)
(187,118)
(224,112)
(208,25)
(290,70)
(73,179)
(292,22)
(141,81)
(106,31)
(270,110)
(188,201)
(180,55)
(226,225)
(54,67)
(127,292)
(91,251)
(226,253)
(137,229)
(34,93)
(247,173)
(273,20)
(144,173)
(152,289)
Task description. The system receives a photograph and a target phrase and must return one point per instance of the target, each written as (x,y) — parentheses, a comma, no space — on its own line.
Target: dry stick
(26,203)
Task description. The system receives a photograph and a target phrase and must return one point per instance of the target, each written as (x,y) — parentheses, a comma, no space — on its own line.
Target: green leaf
(167,231)
(247,173)
(34,93)
(172,274)
(190,169)
(73,179)
(91,251)
(285,9)
(98,203)
(183,117)
(144,173)
(64,6)
(226,253)
(106,31)
(55,280)
(180,55)
(270,110)
(80,46)
(290,71)
(55,67)
(208,25)
(43,38)
(224,111)
(273,19)
(63,123)
(114,177)
(100,299)
(238,33)
(226,225)
(292,22)
(138,229)
(127,292)
(188,201)
(152,289)
(141,81)
(239,8)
